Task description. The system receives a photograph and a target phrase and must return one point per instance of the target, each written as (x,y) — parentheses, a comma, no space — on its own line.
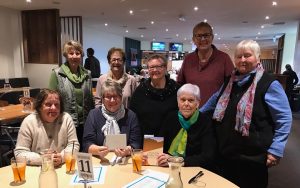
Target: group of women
(239,132)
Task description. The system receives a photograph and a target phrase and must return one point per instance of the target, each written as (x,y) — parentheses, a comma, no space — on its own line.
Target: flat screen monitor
(159,46)
(175,47)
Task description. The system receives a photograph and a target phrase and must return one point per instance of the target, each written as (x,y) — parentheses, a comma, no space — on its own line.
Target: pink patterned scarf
(244,106)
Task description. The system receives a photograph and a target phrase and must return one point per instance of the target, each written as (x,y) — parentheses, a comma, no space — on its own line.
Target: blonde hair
(250,45)
(72,45)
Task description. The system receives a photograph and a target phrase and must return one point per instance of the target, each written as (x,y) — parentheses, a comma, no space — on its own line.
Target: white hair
(248,44)
(191,89)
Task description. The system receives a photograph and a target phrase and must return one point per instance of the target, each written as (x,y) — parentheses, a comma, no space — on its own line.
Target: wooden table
(116,176)
(4,90)
(12,113)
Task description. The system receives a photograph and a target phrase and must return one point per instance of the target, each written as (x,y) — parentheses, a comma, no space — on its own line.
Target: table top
(4,90)
(12,113)
(116,176)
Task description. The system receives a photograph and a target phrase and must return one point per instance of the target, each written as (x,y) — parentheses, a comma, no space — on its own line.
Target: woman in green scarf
(188,133)
(75,85)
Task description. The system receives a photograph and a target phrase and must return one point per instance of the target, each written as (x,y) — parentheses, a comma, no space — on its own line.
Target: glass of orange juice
(70,161)
(18,166)
(137,158)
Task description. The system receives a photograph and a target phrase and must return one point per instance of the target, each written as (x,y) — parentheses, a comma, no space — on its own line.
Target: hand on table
(57,159)
(102,151)
(123,152)
(162,159)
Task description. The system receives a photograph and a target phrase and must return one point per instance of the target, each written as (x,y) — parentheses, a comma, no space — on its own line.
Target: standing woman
(154,97)
(75,85)
(206,66)
(116,61)
(252,120)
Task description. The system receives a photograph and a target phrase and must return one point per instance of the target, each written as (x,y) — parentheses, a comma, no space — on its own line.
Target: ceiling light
(131,12)
(195,8)
(142,36)
(167,30)
(177,35)
(274,3)
(127,31)
(258,33)
(181,18)
(106,24)
(219,38)
(185,38)
(152,22)
(262,26)
(28,1)
(256,37)
(216,34)
(205,20)
(267,17)
(153,39)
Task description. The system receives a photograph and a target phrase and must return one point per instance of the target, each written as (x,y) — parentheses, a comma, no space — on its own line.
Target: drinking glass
(18,166)
(137,158)
(70,161)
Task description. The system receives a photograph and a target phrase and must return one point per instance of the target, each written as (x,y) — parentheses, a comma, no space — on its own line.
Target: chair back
(2,82)
(12,97)
(19,82)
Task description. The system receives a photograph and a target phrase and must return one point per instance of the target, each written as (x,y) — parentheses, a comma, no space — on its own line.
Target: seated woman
(48,128)
(188,133)
(111,118)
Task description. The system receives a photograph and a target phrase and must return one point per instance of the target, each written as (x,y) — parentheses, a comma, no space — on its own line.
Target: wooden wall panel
(41,36)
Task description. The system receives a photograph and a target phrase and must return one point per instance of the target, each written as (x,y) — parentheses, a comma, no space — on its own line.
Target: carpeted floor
(287,173)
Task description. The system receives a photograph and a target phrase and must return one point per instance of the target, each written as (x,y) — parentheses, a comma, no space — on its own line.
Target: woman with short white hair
(188,133)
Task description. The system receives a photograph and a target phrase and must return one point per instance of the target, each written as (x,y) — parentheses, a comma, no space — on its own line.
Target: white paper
(114,141)
(99,177)
(150,179)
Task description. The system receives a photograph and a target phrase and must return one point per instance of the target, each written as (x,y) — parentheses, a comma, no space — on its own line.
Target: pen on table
(196,177)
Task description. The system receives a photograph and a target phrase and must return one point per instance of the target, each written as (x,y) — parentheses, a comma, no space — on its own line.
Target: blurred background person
(188,133)
(155,96)
(92,64)
(291,81)
(75,85)
(252,120)
(48,128)
(206,66)
(116,60)
(111,118)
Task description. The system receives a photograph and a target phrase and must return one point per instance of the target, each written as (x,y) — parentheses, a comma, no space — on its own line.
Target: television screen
(158,46)
(175,47)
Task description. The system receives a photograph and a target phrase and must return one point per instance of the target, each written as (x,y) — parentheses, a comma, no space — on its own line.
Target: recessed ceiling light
(153,39)
(167,30)
(142,36)
(205,20)
(274,3)
(219,38)
(127,31)
(262,26)
(195,8)
(28,1)
(152,22)
(106,24)
(177,35)
(256,37)
(185,38)
(258,33)
(216,34)
(131,12)
(267,17)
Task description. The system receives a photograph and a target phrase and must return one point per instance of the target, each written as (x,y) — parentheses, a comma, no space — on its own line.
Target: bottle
(174,180)
(48,176)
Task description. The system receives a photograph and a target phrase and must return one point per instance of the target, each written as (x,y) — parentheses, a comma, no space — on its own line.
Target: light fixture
(267,17)
(181,18)
(205,20)
(28,1)
(106,24)
(274,3)
(177,35)
(167,30)
(152,22)
(127,31)
(196,8)
(131,12)
(262,26)
(142,36)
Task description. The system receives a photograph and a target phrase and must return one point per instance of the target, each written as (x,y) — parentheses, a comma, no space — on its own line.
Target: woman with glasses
(206,66)
(48,128)
(111,118)
(116,61)
(154,97)
(75,85)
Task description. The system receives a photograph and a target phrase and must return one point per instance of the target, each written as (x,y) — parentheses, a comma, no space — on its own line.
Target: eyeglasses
(202,36)
(115,60)
(158,67)
(109,98)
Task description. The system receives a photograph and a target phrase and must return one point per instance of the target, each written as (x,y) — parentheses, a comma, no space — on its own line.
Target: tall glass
(137,158)
(70,161)
(18,166)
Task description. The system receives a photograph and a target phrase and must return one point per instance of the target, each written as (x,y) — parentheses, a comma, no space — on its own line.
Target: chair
(12,97)
(19,82)
(2,82)
(34,92)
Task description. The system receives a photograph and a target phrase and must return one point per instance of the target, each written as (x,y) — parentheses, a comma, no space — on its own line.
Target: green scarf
(76,78)
(178,145)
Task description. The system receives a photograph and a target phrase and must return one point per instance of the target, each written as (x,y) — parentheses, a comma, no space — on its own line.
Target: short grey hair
(111,86)
(161,58)
(248,44)
(191,89)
